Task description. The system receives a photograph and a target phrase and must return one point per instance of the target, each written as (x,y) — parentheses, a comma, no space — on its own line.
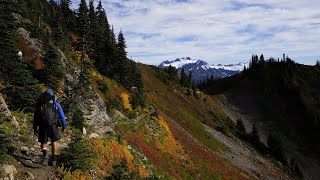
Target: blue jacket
(61,115)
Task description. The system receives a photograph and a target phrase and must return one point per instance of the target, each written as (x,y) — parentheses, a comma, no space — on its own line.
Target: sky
(217,31)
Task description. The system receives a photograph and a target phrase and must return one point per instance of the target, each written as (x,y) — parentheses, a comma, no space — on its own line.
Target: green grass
(188,112)
(201,133)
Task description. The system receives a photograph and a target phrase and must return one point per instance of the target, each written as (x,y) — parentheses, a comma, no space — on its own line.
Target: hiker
(48,116)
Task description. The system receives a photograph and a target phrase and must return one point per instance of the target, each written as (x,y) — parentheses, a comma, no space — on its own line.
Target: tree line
(84,30)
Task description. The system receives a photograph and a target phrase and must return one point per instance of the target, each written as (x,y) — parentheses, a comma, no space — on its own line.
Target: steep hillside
(279,98)
(193,119)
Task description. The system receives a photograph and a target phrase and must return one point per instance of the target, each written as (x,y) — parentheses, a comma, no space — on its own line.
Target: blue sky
(217,31)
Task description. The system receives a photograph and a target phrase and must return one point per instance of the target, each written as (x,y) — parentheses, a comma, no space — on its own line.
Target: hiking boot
(45,160)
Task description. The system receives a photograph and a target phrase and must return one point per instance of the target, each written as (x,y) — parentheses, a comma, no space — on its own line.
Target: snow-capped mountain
(202,70)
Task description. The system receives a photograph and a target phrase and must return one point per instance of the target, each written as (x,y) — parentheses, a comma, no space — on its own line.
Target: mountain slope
(201,70)
(280,98)
(192,121)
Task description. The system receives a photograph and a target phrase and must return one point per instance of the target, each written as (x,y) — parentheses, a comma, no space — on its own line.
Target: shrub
(4,143)
(113,103)
(78,119)
(102,86)
(276,148)
(78,156)
(227,126)
(138,100)
(126,101)
(241,129)
(295,168)
(254,138)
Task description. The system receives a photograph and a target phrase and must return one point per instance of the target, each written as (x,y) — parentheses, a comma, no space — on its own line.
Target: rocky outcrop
(89,102)
(7,172)
(6,113)
(31,48)
(20,19)
(33,43)
(95,113)
(72,72)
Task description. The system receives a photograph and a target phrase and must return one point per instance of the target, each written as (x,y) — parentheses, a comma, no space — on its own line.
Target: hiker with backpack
(48,116)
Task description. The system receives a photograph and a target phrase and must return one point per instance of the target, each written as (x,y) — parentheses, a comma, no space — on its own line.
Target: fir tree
(183,78)
(53,62)
(122,66)
(190,78)
(262,59)
(93,28)
(241,129)
(255,138)
(83,25)
(276,149)
(21,87)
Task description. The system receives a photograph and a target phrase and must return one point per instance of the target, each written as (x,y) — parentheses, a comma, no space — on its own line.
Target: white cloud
(217,31)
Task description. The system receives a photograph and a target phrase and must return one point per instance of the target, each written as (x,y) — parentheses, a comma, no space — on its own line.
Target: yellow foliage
(96,74)
(111,153)
(168,143)
(75,175)
(163,123)
(126,101)
(47,29)
(143,172)
(78,56)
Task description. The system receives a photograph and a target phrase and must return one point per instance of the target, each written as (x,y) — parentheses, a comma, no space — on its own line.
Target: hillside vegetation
(125,120)
(284,98)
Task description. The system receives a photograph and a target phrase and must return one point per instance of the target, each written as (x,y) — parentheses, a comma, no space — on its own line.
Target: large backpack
(48,111)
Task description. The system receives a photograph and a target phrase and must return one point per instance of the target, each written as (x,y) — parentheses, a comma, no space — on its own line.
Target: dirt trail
(29,162)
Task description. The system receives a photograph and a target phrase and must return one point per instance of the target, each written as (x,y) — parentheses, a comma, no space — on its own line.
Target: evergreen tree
(21,87)
(122,67)
(262,59)
(190,79)
(83,25)
(183,78)
(83,30)
(241,129)
(58,34)
(53,62)
(93,28)
(104,44)
(67,15)
(276,149)
(318,63)
(255,138)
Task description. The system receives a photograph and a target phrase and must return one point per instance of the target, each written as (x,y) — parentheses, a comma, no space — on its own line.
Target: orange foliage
(126,101)
(109,154)
(73,37)
(161,148)
(29,53)
(143,172)
(47,28)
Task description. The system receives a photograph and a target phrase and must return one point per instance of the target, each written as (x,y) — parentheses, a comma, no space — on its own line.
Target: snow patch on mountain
(202,70)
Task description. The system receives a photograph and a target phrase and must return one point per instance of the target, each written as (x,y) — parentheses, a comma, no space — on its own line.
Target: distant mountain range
(202,70)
